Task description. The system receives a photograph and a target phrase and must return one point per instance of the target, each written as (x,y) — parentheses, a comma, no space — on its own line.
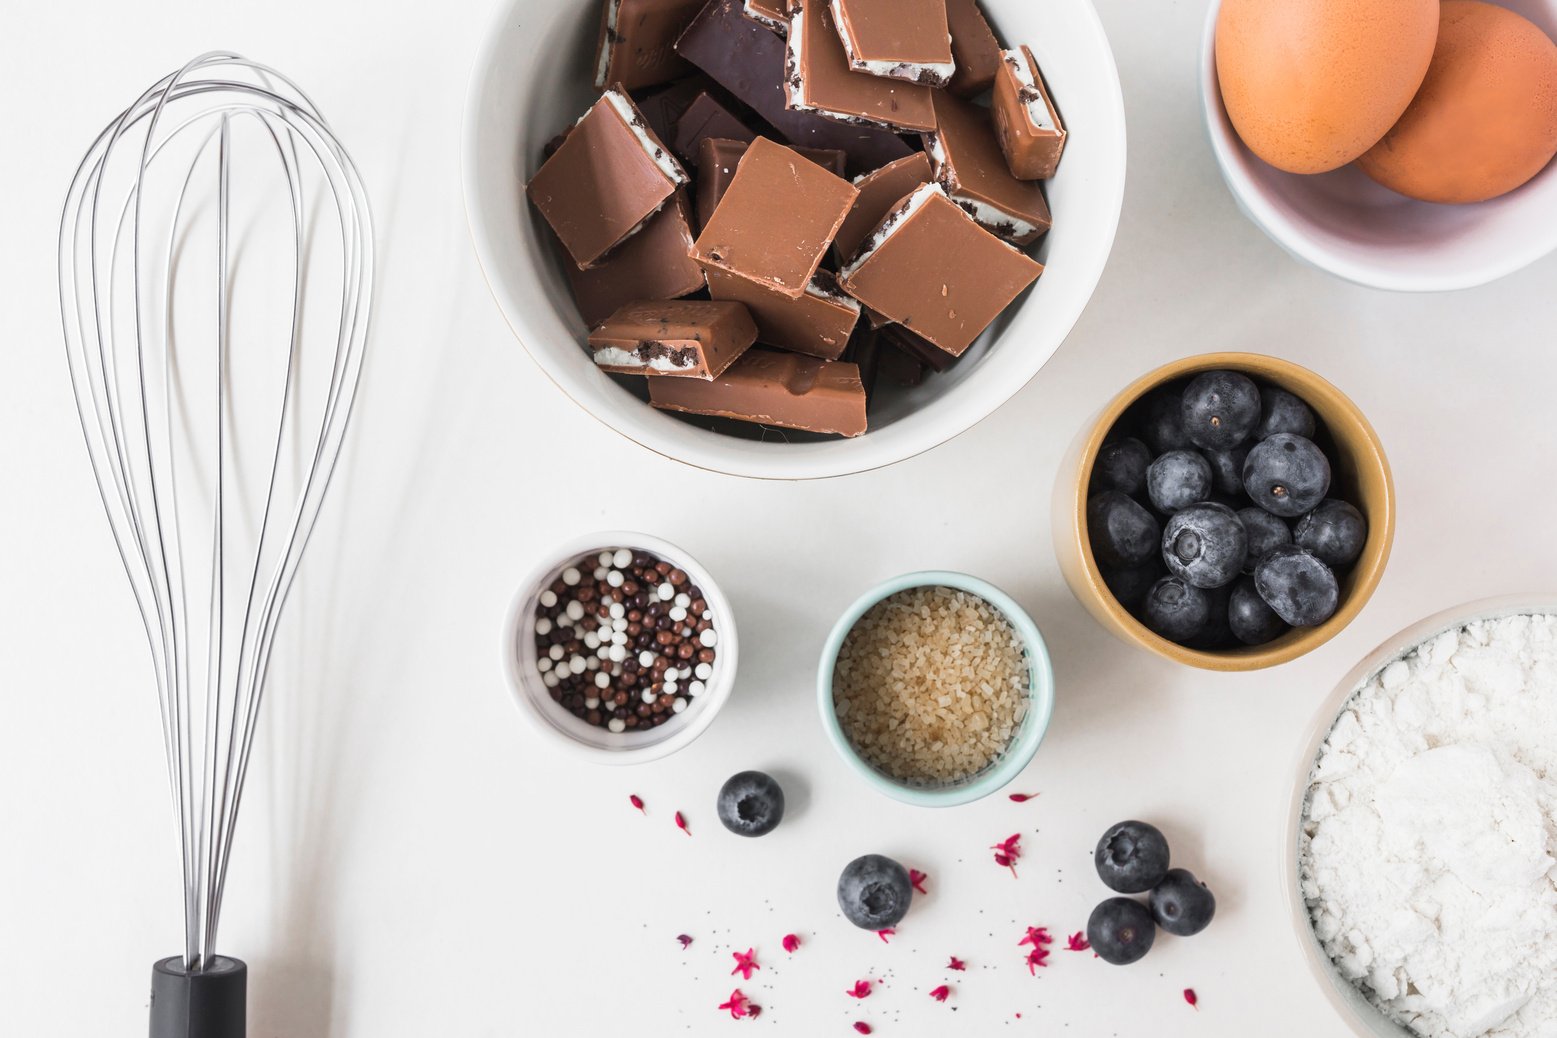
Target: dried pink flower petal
(637,801)
(745,962)
(956,964)
(884,934)
(862,1027)
(791,942)
(1007,851)
(1036,936)
(681,823)
(1077,942)
(1192,998)
(940,993)
(738,1005)
(753,1010)
(861,989)
(1022,798)
(686,941)
(1035,958)
(916,880)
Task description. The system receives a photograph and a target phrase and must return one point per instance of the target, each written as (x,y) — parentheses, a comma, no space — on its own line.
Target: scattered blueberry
(1302,590)
(1205,544)
(1163,425)
(1227,469)
(1286,475)
(1181,904)
(1253,621)
(874,892)
(1121,465)
(751,804)
(1221,409)
(1281,412)
(1176,609)
(1131,857)
(1335,532)
(1130,584)
(1122,531)
(1177,479)
(1121,931)
(1266,533)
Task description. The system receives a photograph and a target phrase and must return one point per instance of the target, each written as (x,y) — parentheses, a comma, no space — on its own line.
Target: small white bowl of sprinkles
(936,688)
(619,648)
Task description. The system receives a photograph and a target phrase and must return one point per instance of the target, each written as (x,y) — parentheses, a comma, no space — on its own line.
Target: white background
(412,863)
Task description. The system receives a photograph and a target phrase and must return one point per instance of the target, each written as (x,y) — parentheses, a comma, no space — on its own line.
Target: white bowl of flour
(1422,862)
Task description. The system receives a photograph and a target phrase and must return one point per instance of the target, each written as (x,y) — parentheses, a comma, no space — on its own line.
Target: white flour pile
(1431,831)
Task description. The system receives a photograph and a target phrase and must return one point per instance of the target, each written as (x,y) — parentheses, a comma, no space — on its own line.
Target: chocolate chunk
(966,158)
(879,190)
(717,160)
(1026,121)
(652,264)
(605,180)
(748,61)
(931,268)
(637,42)
(768,13)
(680,337)
(864,352)
(817,323)
(819,79)
(661,108)
(974,48)
(917,347)
(776,219)
(898,367)
(901,39)
(705,117)
(770,388)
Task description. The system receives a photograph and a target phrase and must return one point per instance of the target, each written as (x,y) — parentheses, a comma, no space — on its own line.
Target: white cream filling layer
(614,357)
(890,226)
(662,158)
(608,44)
(794,86)
(993,216)
(1038,111)
(763,17)
(940,71)
(817,291)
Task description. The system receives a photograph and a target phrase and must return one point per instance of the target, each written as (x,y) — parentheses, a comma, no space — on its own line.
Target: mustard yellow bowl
(1361,475)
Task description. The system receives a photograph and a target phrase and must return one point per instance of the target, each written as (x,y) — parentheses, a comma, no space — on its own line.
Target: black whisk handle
(207,1003)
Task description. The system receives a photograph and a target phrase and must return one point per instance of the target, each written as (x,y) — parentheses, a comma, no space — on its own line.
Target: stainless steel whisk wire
(135,464)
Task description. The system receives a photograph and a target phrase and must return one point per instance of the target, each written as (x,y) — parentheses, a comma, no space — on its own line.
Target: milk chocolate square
(776,220)
(966,158)
(819,78)
(637,42)
(817,323)
(717,160)
(935,271)
(686,338)
(652,264)
(770,388)
(1026,121)
(899,39)
(880,190)
(748,61)
(605,180)
(768,13)
(974,48)
(705,117)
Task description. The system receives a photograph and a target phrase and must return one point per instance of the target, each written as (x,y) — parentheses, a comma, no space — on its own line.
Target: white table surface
(410,863)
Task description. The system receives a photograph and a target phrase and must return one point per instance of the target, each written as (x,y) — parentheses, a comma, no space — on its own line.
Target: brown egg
(1311,84)
(1485,120)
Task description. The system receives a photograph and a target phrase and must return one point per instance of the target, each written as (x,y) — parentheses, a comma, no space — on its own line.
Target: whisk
(216,277)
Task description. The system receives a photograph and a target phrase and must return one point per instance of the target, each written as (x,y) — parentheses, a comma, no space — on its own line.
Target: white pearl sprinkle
(704,671)
(593,663)
(550,680)
(604,652)
(575,611)
(646,658)
(670,687)
(678,706)
(548,598)
(622,558)
(576,664)
(591,703)
(543,626)
(571,576)
(617,610)
(683,600)
(602,681)
(615,578)
(591,640)
(709,638)
(555,652)
(697,688)
(604,558)
(562,670)
(648,695)
(543,664)
(619,638)
(619,625)
(677,615)
(616,653)
(671,674)
(617,725)
(666,592)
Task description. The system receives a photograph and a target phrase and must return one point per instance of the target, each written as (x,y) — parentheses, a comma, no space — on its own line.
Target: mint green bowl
(1028,735)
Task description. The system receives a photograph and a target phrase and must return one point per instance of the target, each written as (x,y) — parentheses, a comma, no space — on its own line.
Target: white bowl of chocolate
(793,239)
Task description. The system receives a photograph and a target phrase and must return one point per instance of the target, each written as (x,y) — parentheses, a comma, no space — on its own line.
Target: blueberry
(1176,610)
(1205,544)
(1266,532)
(1335,532)
(1302,590)
(1176,479)
(1130,584)
(1218,632)
(1221,409)
(1181,904)
(874,892)
(1253,621)
(1286,475)
(1121,465)
(1131,857)
(751,804)
(1281,412)
(1121,931)
(1227,469)
(1162,427)
(1123,533)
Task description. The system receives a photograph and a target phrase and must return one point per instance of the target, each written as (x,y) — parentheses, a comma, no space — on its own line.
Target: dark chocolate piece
(898,366)
(705,117)
(900,39)
(1026,122)
(748,61)
(974,48)
(819,79)
(931,268)
(817,323)
(776,220)
(605,180)
(771,388)
(652,264)
(864,352)
(661,108)
(717,160)
(637,42)
(676,338)
(918,347)
(966,158)
(879,190)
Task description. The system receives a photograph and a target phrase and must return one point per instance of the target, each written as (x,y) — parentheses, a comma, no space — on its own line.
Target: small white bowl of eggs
(1401,144)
